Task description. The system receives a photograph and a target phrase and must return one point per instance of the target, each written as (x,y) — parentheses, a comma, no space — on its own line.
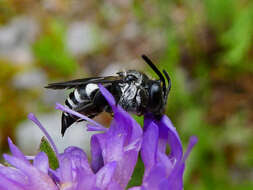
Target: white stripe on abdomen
(90,88)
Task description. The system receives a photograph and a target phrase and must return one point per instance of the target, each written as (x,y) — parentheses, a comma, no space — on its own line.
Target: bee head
(158,90)
(156,98)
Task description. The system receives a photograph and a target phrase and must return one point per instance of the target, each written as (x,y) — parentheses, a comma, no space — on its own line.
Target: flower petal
(105,174)
(41,162)
(65,170)
(168,133)
(114,186)
(6,184)
(97,160)
(155,177)
(175,179)
(85,181)
(137,188)
(149,147)
(33,118)
(78,159)
(91,127)
(120,143)
(37,180)
(14,175)
(192,142)
(108,96)
(16,152)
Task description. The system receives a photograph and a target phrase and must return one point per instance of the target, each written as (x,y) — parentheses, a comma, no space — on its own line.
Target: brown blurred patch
(230,96)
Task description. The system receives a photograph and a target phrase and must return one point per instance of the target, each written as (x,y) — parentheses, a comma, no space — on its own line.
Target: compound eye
(155,95)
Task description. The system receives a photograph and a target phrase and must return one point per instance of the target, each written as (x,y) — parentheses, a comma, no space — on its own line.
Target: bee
(134,91)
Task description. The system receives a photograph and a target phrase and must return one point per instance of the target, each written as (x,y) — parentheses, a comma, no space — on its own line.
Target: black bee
(132,90)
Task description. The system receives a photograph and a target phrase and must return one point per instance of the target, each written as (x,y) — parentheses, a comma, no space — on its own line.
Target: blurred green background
(205,45)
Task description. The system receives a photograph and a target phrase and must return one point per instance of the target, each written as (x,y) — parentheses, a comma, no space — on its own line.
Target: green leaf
(46,147)
(238,39)
(138,173)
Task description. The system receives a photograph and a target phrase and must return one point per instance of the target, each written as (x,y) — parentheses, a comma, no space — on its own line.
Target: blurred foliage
(50,49)
(11,106)
(206,46)
(6,11)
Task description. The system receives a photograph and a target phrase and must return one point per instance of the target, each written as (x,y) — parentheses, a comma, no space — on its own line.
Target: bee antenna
(169,83)
(156,70)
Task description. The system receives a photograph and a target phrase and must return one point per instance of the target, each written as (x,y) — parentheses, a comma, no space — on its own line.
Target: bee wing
(79,82)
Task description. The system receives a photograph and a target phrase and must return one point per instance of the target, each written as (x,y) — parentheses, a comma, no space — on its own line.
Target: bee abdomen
(66,121)
(74,99)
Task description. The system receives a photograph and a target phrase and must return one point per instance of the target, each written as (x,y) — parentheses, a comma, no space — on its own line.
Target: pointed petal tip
(11,144)
(58,106)
(193,140)
(31,116)
(15,151)
(7,157)
(9,141)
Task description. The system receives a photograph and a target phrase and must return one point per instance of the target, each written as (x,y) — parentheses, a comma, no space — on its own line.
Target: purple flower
(24,175)
(162,171)
(114,154)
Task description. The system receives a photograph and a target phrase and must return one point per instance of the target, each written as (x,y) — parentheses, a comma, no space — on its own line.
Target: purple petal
(124,122)
(114,186)
(96,153)
(54,175)
(135,145)
(168,134)
(175,179)
(14,175)
(16,152)
(155,177)
(95,128)
(114,143)
(193,141)
(18,163)
(72,112)
(65,170)
(122,119)
(85,181)
(163,159)
(149,147)
(33,118)
(110,146)
(121,143)
(106,148)
(6,184)
(137,188)
(37,180)
(125,168)
(77,152)
(173,164)
(108,96)
(78,159)
(41,162)
(104,175)
(164,185)
(30,157)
